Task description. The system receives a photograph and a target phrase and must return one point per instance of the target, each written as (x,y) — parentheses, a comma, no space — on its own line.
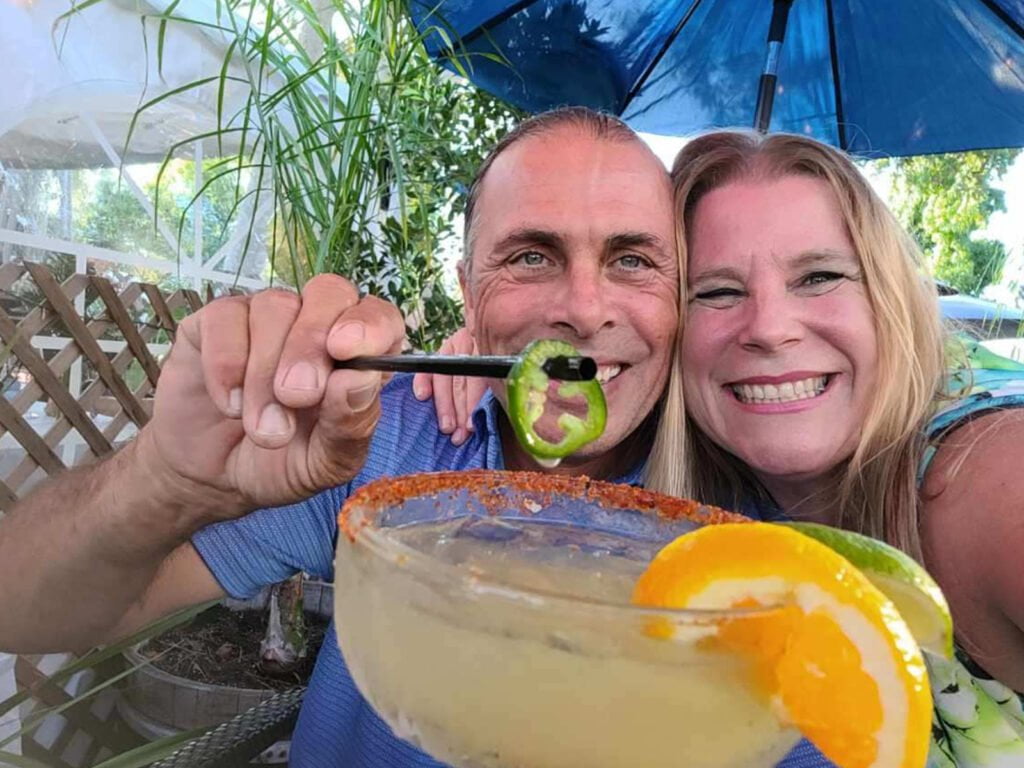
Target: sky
(1007,226)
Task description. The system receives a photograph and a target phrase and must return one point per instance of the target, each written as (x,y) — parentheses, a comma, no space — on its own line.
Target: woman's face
(779,353)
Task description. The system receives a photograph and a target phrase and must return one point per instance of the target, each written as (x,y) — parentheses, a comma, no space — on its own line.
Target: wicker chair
(237,742)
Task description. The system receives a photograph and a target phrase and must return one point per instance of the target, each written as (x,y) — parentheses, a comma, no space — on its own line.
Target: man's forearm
(77,553)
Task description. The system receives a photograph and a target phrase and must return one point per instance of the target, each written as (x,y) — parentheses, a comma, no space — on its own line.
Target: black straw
(496,367)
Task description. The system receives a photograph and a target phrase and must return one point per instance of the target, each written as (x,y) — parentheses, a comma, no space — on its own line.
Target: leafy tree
(363,145)
(107,215)
(943,200)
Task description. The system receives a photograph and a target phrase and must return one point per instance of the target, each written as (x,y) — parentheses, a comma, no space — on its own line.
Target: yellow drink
(505,638)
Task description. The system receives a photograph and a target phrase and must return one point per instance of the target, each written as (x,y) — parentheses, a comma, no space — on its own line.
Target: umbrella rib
(1004,17)
(834,53)
(495,20)
(661,53)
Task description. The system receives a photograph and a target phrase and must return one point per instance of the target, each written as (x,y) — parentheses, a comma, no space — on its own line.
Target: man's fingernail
(469,426)
(235,401)
(362,398)
(459,437)
(302,376)
(348,333)
(417,391)
(273,421)
(447,424)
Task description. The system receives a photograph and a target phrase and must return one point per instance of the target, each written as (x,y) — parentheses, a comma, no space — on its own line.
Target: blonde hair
(876,489)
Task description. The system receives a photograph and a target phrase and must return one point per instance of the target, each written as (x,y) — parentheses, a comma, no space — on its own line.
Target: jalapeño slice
(528,392)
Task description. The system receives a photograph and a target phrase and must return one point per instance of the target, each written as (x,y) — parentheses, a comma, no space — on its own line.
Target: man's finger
(305,364)
(347,418)
(267,422)
(371,327)
(219,334)
(350,406)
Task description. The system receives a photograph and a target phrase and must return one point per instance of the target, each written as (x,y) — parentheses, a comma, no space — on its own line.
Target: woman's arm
(455,397)
(973,538)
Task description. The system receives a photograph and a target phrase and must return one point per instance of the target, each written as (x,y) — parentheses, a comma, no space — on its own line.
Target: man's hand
(249,410)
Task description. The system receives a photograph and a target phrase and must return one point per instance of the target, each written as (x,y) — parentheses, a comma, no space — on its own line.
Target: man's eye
(632,261)
(531,259)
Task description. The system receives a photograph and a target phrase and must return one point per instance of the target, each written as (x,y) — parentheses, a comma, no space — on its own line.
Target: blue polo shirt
(337,728)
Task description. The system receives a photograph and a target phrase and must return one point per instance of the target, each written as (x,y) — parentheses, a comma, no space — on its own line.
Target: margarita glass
(486,617)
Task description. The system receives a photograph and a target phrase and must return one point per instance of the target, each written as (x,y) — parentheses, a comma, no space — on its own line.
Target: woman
(811,383)
(813,369)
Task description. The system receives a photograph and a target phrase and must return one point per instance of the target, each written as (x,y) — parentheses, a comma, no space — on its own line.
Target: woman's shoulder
(974,444)
(972,533)
(977,452)
(989,393)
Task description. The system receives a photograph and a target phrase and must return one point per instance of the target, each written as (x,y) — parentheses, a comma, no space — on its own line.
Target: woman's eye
(820,279)
(719,296)
(717,293)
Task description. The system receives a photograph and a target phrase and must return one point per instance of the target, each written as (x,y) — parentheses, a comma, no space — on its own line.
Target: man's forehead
(552,180)
(549,153)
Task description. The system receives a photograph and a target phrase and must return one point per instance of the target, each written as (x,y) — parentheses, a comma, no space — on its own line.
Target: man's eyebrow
(527,236)
(637,240)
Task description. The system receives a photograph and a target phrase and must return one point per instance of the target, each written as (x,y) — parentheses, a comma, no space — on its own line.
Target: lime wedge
(899,577)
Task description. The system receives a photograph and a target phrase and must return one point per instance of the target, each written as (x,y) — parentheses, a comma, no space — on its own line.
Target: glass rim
(371,499)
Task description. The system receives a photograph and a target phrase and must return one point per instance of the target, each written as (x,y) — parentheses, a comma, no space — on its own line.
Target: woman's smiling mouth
(793,390)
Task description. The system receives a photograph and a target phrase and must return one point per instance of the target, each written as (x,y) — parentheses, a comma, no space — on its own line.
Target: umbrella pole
(766,90)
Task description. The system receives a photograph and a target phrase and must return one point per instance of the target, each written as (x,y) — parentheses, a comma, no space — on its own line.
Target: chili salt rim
(487,485)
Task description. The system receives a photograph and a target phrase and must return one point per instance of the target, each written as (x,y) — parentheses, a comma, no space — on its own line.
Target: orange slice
(836,660)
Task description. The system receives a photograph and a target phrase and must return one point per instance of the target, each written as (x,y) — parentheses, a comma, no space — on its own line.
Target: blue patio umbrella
(876,77)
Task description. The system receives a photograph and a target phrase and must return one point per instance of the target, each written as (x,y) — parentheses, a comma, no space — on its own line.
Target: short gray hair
(600,125)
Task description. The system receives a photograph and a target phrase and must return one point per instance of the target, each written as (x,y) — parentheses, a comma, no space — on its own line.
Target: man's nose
(582,305)
(772,321)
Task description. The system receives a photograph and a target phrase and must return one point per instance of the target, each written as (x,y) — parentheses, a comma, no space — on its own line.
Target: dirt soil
(222,647)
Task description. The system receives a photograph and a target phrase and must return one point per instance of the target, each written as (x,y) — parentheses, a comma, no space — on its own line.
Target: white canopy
(72,85)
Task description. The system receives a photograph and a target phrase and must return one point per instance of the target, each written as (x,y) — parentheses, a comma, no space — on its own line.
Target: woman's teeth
(606,373)
(780,393)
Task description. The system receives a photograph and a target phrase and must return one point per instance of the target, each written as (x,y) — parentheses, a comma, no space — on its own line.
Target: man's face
(574,240)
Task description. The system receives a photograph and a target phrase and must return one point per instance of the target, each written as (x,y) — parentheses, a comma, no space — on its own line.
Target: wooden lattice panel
(38,421)
(90,425)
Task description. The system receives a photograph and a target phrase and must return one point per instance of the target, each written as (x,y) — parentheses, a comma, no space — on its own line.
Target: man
(256,441)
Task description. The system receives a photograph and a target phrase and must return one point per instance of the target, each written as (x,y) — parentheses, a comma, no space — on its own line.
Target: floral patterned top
(977,722)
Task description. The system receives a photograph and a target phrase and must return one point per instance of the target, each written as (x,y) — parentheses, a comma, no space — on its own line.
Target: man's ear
(467,298)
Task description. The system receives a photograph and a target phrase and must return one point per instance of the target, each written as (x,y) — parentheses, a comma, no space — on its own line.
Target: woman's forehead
(786,217)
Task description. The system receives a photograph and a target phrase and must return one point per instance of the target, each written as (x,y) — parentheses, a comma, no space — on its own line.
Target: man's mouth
(785,392)
(606,373)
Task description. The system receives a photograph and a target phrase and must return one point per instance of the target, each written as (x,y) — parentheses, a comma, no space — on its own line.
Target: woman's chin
(789,465)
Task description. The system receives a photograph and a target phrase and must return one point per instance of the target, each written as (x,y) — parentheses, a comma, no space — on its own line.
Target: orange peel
(834,658)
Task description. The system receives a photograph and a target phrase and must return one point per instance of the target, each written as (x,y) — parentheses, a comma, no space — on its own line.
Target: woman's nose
(772,321)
